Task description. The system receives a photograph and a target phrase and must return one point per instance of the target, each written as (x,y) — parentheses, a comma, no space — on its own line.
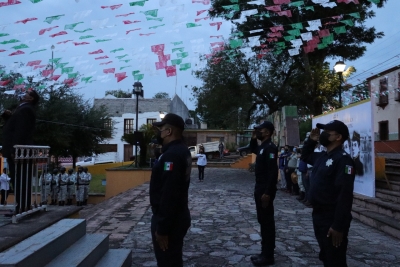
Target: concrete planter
(119,180)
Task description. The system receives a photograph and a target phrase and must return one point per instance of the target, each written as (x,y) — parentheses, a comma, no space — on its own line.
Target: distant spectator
(4,186)
(201,163)
(221,149)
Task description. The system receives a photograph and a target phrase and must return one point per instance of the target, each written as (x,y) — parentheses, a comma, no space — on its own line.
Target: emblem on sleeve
(261,151)
(349,169)
(329,162)
(271,155)
(168,166)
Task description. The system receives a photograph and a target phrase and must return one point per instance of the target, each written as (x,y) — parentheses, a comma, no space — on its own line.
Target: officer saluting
(266,171)
(169,187)
(331,190)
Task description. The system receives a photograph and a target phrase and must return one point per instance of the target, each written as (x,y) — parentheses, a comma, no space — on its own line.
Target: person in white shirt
(201,163)
(4,186)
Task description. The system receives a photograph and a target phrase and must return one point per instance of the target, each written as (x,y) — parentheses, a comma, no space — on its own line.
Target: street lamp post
(138,91)
(52,58)
(339,69)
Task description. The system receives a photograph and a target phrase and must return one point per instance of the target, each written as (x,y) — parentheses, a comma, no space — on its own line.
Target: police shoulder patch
(168,166)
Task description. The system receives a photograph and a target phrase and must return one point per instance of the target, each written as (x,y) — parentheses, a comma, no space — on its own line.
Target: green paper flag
(3,34)
(157,19)
(121,57)
(85,30)
(86,37)
(297,25)
(55,60)
(61,65)
(152,13)
(280,45)
(49,20)
(309,8)
(234,1)
(295,32)
(36,1)
(355,15)
(237,34)
(232,7)
(348,22)
(235,43)
(41,87)
(339,30)
(328,39)
(36,51)
(67,70)
(277,52)
(86,79)
(126,60)
(21,46)
(71,26)
(176,61)
(375,1)
(20,80)
(72,75)
(322,46)
(102,40)
(267,15)
(138,77)
(177,43)
(10,42)
(185,66)
(297,3)
(155,27)
(182,55)
(180,49)
(116,50)
(135,72)
(192,25)
(125,67)
(230,15)
(137,3)
(289,38)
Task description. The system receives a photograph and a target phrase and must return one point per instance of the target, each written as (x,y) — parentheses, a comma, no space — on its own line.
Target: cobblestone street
(225,231)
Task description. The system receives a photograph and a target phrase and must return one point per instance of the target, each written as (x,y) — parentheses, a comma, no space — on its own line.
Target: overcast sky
(94,37)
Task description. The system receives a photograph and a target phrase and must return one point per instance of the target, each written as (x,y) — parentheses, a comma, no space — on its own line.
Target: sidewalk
(225,231)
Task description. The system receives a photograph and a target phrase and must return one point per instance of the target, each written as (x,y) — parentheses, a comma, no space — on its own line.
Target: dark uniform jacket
(169,185)
(266,168)
(332,182)
(19,128)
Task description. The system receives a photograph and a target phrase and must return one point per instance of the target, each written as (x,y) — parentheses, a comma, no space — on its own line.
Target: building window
(108,127)
(384,130)
(383,93)
(128,126)
(150,121)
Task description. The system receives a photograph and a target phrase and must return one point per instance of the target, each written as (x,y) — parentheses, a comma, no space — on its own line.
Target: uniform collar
(334,150)
(165,147)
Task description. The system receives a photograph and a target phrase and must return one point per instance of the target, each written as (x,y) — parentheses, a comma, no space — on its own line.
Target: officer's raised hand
(314,135)
(162,241)
(337,237)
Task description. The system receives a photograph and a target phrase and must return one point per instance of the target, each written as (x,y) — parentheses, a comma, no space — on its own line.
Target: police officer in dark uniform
(169,187)
(266,170)
(331,190)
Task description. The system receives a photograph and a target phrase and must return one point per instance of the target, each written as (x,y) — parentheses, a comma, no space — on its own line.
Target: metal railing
(27,168)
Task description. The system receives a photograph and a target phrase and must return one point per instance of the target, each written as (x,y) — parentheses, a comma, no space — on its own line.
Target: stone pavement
(225,231)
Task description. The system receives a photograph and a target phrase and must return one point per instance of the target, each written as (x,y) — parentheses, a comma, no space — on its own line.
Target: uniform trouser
(44,192)
(23,187)
(306,182)
(85,192)
(265,217)
(300,182)
(283,178)
(62,193)
(329,255)
(70,191)
(289,184)
(201,172)
(53,192)
(79,195)
(3,196)
(171,257)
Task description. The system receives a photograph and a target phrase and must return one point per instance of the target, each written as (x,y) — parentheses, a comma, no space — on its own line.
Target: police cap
(171,119)
(337,126)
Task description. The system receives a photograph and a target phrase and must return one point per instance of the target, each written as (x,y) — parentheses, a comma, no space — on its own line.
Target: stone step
(390,195)
(395,186)
(378,205)
(116,258)
(87,251)
(379,221)
(393,176)
(47,244)
(392,167)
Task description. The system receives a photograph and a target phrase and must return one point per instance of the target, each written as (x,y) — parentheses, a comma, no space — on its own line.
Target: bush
(231,146)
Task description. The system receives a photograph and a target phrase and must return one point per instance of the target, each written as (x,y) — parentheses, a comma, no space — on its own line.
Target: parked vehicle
(109,157)
(244,151)
(210,148)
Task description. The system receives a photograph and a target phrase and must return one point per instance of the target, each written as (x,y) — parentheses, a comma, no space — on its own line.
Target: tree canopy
(161,95)
(119,93)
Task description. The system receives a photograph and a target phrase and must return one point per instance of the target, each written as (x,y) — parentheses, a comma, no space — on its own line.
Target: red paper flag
(161,65)
(205,18)
(217,43)
(216,36)
(273,8)
(280,2)
(272,40)
(18,52)
(33,63)
(19,86)
(157,48)
(59,33)
(130,22)
(42,31)
(64,42)
(24,21)
(146,34)
(170,70)
(96,52)
(276,34)
(55,77)
(218,24)
(9,3)
(124,15)
(39,67)
(218,49)
(46,73)
(83,43)
(276,28)
(201,11)
(112,7)
(106,63)
(120,76)
(286,13)
(204,2)
(2,50)
(132,30)
(324,33)
(111,70)
(4,83)
(103,57)
(164,58)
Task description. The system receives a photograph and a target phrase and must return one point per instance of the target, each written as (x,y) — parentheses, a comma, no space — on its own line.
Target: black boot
(301,196)
(78,203)
(263,261)
(59,203)
(85,202)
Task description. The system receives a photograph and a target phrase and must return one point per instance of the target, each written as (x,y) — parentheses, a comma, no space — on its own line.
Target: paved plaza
(225,231)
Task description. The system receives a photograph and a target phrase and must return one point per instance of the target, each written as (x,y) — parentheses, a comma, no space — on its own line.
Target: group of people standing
(61,186)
